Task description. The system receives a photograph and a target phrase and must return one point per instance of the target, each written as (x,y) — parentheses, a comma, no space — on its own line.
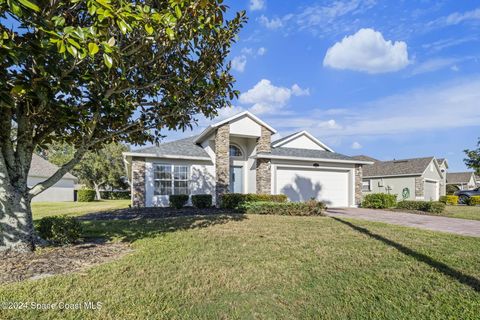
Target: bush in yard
(309,208)
(426,206)
(449,199)
(473,201)
(86,195)
(59,229)
(178,201)
(379,201)
(202,201)
(234,200)
(115,195)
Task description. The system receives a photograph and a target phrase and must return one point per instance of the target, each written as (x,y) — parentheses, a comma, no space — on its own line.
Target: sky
(388,79)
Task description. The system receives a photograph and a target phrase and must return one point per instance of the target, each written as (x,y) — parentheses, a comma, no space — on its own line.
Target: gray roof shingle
(182,147)
(44,169)
(458,177)
(307,153)
(415,166)
(365,158)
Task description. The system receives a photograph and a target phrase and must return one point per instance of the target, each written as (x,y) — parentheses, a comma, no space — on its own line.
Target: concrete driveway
(452,225)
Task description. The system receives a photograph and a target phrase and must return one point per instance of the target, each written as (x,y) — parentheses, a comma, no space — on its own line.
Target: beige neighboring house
(40,170)
(462,180)
(409,179)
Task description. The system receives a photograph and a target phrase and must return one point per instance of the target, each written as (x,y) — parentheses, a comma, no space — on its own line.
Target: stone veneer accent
(358,184)
(138,182)
(222,161)
(419,187)
(264,174)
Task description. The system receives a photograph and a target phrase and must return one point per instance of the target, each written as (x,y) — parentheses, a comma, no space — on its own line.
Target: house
(40,170)
(462,180)
(409,179)
(443,164)
(237,155)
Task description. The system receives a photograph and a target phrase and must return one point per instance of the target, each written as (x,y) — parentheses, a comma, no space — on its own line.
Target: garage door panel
(431,190)
(330,186)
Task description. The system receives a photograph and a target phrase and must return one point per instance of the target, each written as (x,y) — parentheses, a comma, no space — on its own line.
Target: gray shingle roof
(307,153)
(44,169)
(182,147)
(458,177)
(414,166)
(365,158)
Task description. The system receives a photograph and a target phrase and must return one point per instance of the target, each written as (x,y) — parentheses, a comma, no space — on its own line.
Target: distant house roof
(459,177)
(415,166)
(44,169)
(365,158)
(182,148)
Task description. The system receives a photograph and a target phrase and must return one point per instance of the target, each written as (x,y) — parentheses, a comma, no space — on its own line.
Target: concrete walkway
(452,225)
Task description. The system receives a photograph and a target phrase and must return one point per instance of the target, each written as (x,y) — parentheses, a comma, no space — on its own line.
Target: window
(170,179)
(235,151)
(366,185)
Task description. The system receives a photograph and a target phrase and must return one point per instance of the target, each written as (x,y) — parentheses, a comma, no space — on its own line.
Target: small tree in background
(90,72)
(473,158)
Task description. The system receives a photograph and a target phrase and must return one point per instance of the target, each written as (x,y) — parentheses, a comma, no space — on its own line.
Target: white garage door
(431,190)
(332,187)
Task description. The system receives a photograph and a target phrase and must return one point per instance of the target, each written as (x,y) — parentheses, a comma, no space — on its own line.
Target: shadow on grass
(131,230)
(459,276)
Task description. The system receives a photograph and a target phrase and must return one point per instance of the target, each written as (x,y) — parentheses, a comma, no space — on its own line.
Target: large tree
(473,158)
(89,72)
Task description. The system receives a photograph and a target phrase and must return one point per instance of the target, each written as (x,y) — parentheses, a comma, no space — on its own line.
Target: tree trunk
(16,225)
(97,191)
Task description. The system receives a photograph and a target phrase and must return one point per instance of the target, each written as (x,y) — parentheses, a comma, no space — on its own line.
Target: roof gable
(301,140)
(405,167)
(460,177)
(44,169)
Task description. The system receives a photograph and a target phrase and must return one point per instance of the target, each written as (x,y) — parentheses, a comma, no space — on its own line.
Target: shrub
(426,206)
(449,199)
(234,200)
(115,195)
(60,229)
(86,195)
(473,201)
(178,201)
(309,208)
(202,201)
(379,201)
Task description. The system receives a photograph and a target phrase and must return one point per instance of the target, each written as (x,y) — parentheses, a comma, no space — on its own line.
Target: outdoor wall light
(316,165)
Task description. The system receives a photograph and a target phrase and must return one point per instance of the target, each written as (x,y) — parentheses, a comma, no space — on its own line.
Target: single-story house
(409,179)
(237,155)
(40,170)
(462,180)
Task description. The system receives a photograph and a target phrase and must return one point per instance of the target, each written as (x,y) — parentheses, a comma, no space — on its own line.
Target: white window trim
(369,185)
(172,179)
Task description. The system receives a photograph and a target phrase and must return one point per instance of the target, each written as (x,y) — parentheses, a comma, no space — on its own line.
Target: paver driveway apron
(451,225)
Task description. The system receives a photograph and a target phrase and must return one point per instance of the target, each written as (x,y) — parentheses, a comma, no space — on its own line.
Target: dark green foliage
(115,195)
(308,208)
(86,195)
(178,201)
(379,201)
(473,201)
(449,199)
(426,206)
(202,201)
(451,189)
(234,200)
(59,229)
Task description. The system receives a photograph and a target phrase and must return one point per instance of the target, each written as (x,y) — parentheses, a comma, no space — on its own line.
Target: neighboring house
(462,180)
(443,164)
(237,155)
(40,170)
(409,179)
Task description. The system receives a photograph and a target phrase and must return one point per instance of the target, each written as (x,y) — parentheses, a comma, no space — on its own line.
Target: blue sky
(382,78)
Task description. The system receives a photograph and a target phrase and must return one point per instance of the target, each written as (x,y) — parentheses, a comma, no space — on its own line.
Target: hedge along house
(409,179)
(237,155)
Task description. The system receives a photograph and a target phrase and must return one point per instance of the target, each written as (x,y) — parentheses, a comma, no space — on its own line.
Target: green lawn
(43,209)
(268,267)
(463,212)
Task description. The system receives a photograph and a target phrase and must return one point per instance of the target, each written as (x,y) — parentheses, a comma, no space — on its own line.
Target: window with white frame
(170,179)
(366,185)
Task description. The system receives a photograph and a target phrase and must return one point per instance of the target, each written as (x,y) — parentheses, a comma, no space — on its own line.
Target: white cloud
(239,63)
(257,5)
(261,51)
(265,97)
(457,17)
(330,124)
(356,145)
(367,51)
(434,65)
(273,23)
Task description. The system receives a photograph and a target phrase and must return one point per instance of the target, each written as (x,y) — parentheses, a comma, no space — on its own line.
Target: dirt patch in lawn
(58,260)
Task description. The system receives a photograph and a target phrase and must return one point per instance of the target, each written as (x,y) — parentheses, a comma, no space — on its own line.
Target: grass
(43,209)
(266,267)
(462,212)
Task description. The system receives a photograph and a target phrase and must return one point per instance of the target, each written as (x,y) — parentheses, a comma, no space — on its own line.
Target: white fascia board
(298,134)
(394,175)
(311,159)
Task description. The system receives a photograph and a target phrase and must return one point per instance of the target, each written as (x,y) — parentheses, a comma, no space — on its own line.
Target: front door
(236,179)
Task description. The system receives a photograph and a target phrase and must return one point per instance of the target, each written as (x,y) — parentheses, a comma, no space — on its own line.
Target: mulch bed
(58,260)
(152,213)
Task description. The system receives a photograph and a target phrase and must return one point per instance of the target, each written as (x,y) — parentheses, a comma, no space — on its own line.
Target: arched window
(235,151)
